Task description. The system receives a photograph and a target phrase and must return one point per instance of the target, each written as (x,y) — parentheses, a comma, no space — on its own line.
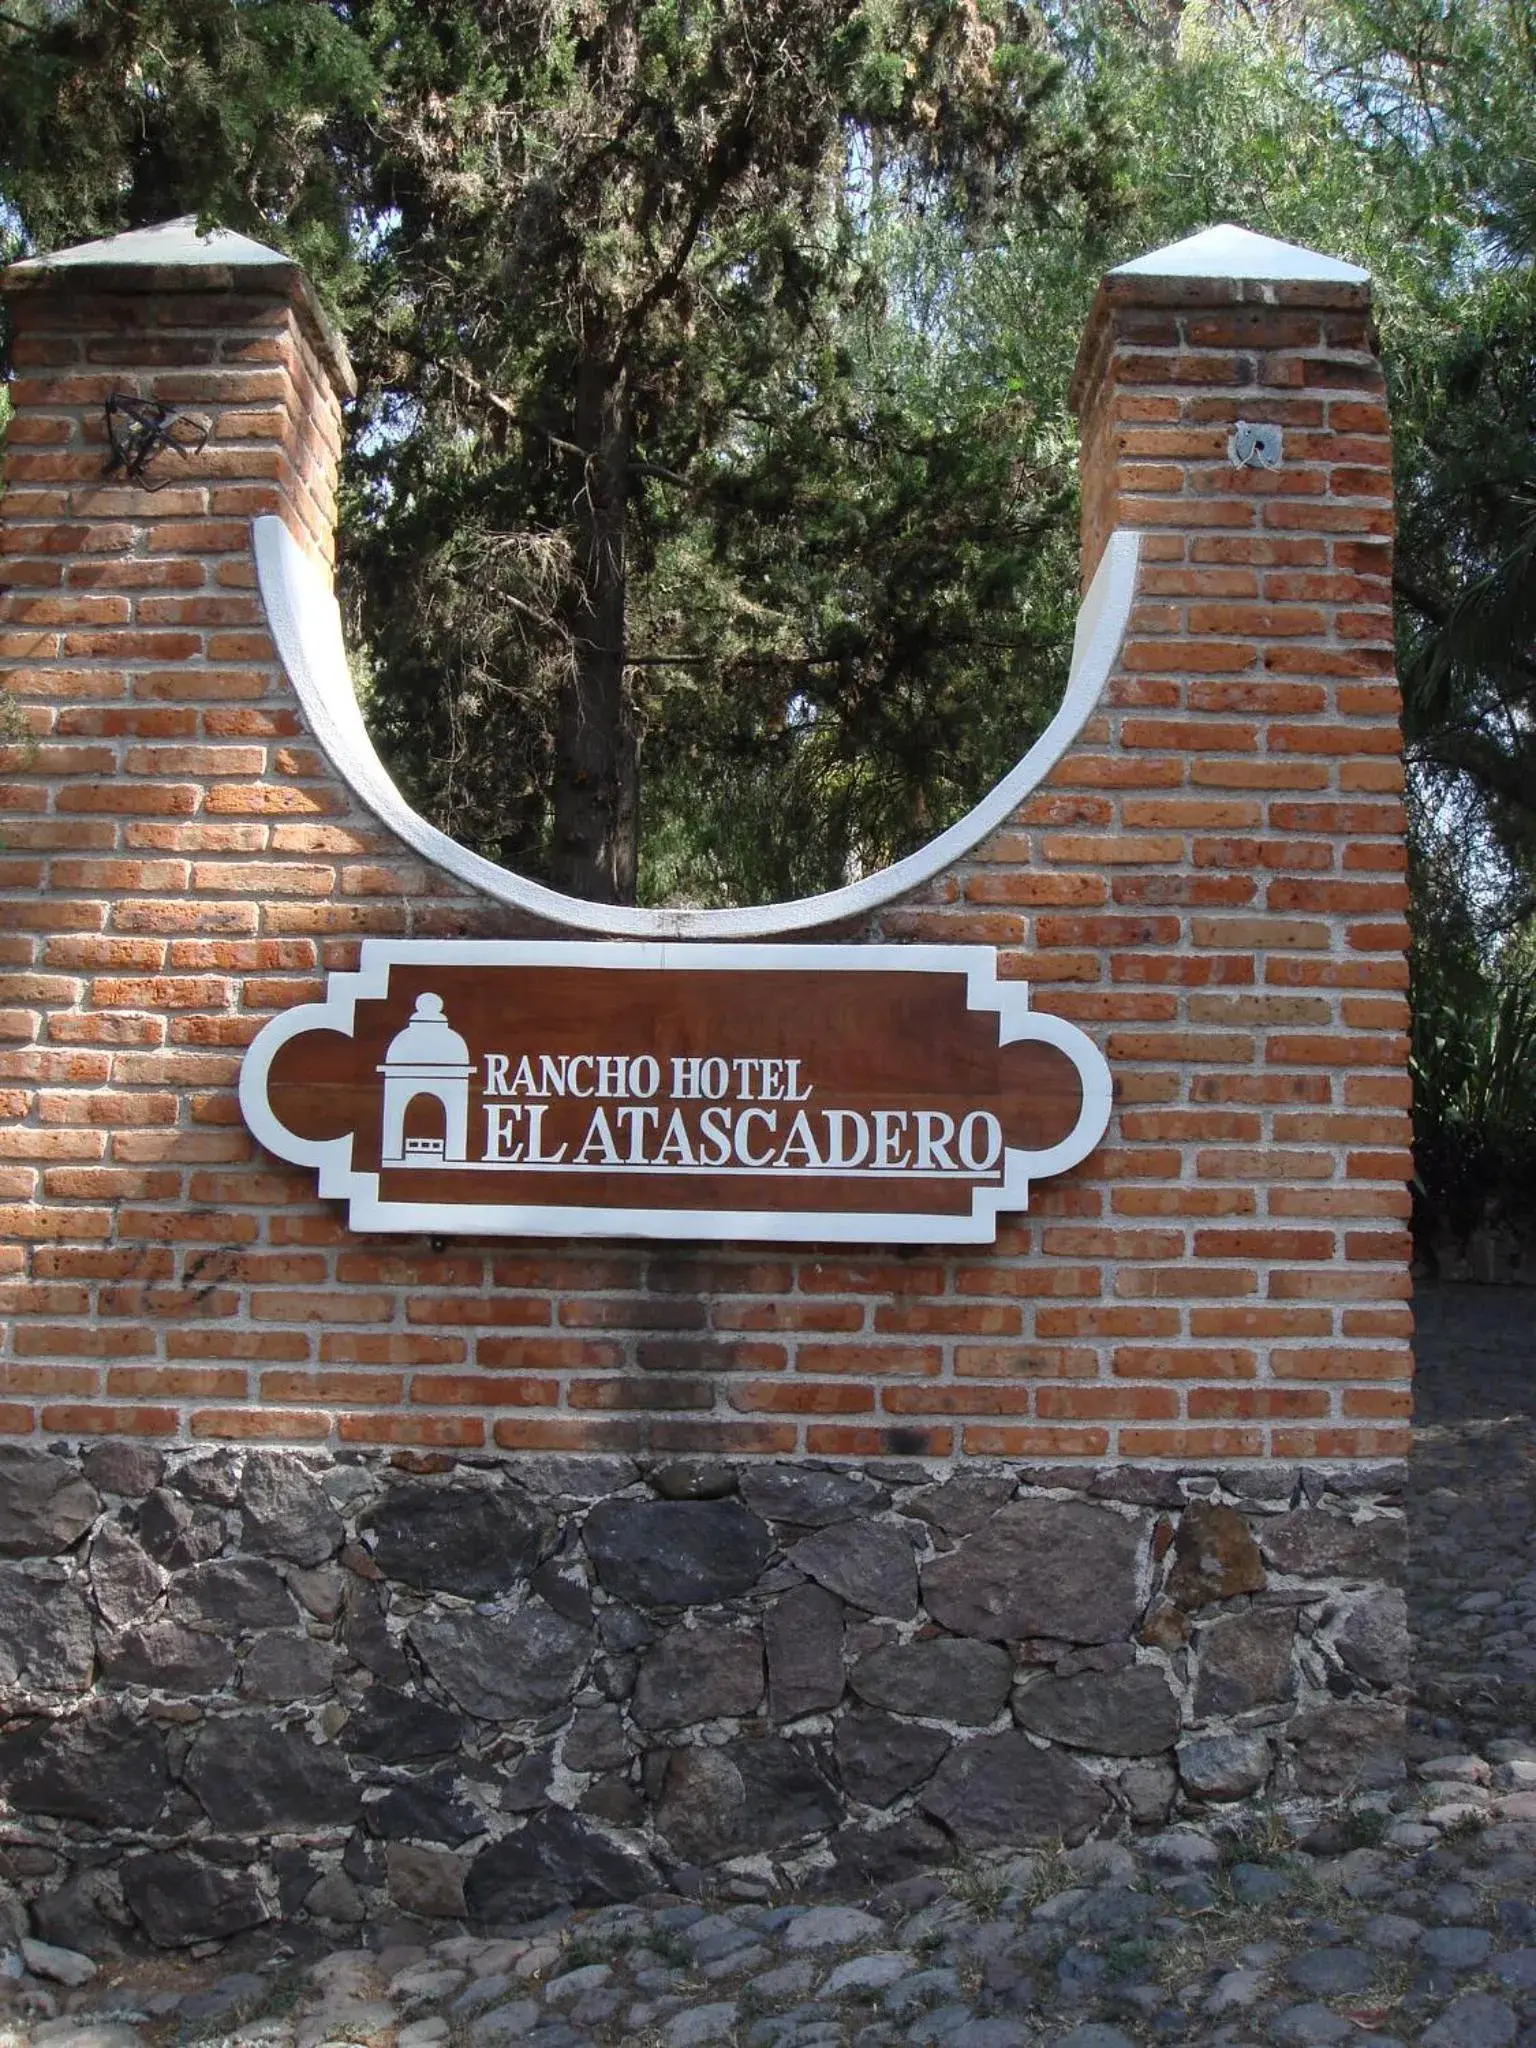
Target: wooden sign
(897,1094)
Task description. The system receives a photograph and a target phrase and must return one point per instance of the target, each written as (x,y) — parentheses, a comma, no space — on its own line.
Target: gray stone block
(1245,1661)
(45,1505)
(803,1636)
(97,1766)
(555,1860)
(1115,1713)
(1041,1568)
(1002,1789)
(46,1643)
(234,1595)
(809,1496)
(396,1728)
(178,1532)
(880,1757)
(677,1553)
(1372,1639)
(868,1564)
(1223,1766)
(469,1540)
(167,1656)
(123,1578)
(504,1667)
(251,1776)
(943,1678)
(1314,1543)
(178,1900)
(286,1513)
(699,1674)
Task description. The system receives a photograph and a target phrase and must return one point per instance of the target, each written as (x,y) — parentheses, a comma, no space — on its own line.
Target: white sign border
(331,1158)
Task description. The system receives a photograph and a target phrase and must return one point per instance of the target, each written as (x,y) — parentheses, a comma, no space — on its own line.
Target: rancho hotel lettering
(863,1093)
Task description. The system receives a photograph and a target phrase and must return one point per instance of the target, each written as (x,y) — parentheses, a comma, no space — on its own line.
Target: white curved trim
(305,623)
(328,1156)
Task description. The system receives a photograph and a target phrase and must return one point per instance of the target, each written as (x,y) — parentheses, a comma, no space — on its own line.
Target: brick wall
(1210,882)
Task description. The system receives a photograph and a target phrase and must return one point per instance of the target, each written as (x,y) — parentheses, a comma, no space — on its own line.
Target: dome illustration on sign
(427,1058)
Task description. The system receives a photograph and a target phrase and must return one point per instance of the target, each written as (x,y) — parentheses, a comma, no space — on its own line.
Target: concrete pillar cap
(173,256)
(1227,251)
(1221,266)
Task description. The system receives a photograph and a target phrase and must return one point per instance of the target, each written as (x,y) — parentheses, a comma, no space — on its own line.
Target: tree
(1473,1064)
(1447,96)
(615,334)
(1400,133)
(902,588)
(116,113)
(601,269)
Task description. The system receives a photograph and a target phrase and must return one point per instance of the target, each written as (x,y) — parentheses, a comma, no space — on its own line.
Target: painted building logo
(427,1060)
(848,1093)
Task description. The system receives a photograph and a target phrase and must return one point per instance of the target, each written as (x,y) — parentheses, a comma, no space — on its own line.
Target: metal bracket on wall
(141,428)
(1255,447)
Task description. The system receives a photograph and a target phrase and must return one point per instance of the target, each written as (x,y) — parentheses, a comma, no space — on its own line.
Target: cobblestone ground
(1410,1918)
(1472,1509)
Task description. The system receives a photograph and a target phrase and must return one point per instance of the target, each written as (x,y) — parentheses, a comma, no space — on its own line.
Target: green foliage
(893,631)
(113,116)
(1446,100)
(635,439)
(1399,133)
(1473,1064)
(1467,576)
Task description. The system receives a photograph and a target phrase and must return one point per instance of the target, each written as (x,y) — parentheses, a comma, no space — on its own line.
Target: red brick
(1265,774)
(788,1315)
(235,1344)
(487,1390)
(1184,1362)
(98,1419)
(1379,1402)
(543,1354)
(458,1432)
(1341,1443)
(878,1360)
(500,1311)
(807,1397)
(1013,1361)
(292,1306)
(902,1440)
(1229,1404)
(989,1441)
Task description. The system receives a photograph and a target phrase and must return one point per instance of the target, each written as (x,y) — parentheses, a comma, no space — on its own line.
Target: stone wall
(250,1685)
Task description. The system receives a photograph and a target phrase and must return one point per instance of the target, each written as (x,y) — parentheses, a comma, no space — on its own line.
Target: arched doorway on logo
(425,1129)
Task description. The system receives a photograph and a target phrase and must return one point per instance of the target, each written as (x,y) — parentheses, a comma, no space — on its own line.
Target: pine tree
(624,260)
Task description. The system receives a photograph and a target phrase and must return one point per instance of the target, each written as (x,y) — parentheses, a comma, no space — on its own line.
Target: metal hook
(141,428)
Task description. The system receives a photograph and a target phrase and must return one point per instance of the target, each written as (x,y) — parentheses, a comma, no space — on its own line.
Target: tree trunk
(597,751)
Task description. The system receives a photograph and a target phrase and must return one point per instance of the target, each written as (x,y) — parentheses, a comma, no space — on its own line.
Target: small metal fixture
(1255,447)
(139,429)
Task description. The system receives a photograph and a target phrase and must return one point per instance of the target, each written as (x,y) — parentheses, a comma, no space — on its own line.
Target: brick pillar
(137,838)
(1259,748)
